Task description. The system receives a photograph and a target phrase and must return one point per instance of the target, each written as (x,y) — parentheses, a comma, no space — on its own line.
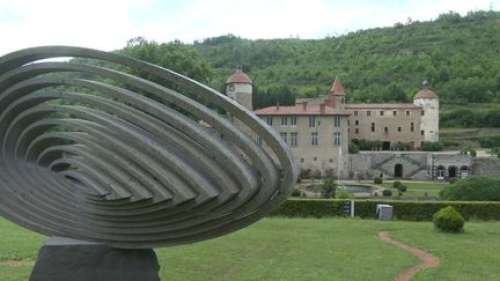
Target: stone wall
(487,166)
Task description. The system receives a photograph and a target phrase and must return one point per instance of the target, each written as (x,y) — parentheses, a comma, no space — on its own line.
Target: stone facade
(389,123)
(319,130)
(418,165)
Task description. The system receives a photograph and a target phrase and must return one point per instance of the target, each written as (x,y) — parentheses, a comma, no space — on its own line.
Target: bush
(474,188)
(296,193)
(432,146)
(328,188)
(403,210)
(396,184)
(448,220)
(378,180)
(353,148)
(489,142)
(387,193)
(402,188)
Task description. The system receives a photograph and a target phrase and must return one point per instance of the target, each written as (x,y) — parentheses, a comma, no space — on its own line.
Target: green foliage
(353,148)
(470,118)
(275,95)
(378,180)
(396,184)
(328,188)
(366,144)
(403,210)
(496,151)
(387,193)
(448,220)
(432,146)
(455,53)
(296,193)
(179,57)
(490,141)
(474,188)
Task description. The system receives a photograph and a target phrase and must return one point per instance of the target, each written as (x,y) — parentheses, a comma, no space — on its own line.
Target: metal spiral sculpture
(92,152)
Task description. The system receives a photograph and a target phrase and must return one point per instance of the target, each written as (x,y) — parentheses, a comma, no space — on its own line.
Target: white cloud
(107,24)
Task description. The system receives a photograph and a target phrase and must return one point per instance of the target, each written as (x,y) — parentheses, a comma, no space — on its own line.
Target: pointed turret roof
(239,76)
(336,89)
(425,93)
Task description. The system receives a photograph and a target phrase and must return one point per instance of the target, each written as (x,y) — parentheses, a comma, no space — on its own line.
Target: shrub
(396,184)
(432,146)
(387,193)
(305,174)
(378,180)
(402,188)
(448,220)
(296,193)
(403,210)
(474,188)
(328,188)
(489,142)
(353,148)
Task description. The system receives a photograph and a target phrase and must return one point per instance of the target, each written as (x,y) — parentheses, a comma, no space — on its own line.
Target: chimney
(322,108)
(304,106)
(277,106)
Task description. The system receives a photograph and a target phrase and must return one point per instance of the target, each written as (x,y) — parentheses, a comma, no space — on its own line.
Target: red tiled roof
(300,109)
(239,76)
(337,89)
(426,94)
(381,106)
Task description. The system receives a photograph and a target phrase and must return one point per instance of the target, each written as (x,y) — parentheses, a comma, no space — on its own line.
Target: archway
(398,171)
(440,172)
(452,172)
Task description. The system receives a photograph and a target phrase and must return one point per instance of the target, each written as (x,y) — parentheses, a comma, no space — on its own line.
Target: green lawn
(418,189)
(303,250)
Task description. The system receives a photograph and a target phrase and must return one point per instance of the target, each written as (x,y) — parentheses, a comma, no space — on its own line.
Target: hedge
(403,210)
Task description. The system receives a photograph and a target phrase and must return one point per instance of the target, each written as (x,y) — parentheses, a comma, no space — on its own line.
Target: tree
(474,188)
(329,188)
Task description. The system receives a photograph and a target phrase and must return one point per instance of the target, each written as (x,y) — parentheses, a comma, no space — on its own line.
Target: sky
(108,24)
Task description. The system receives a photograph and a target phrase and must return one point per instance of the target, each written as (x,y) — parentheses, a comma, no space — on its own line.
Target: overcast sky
(108,24)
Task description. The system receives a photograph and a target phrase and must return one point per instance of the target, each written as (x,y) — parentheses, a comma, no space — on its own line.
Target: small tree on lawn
(329,188)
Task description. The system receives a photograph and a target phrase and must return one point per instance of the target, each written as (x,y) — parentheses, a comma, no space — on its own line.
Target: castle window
(259,140)
(293,121)
(330,160)
(355,113)
(412,127)
(381,113)
(407,113)
(284,120)
(336,121)
(368,113)
(301,160)
(269,120)
(356,122)
(356,131)
(386,130)
(294,139)
(422,132)
(283,137)
(336,138)
(399,129)
(314,138)
(394,113)
(373,127)
(312,121)
(315,158)
(422,113)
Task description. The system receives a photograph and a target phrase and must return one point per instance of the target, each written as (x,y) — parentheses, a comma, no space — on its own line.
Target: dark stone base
(62,259)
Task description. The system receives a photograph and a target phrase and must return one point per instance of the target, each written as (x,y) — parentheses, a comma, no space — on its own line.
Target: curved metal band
(123,160)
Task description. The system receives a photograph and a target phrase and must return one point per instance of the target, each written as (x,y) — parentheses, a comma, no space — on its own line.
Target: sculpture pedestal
(63,259)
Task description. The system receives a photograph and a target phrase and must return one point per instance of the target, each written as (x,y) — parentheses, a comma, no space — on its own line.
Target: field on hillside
(302,250)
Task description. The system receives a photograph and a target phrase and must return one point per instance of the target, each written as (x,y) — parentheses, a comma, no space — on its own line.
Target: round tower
(429,123)
(239,88)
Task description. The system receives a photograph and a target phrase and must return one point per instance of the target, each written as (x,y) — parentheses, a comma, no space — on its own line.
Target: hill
(459,55)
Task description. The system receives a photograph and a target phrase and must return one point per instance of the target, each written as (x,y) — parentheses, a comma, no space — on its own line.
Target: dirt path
(427,259)
(16,263)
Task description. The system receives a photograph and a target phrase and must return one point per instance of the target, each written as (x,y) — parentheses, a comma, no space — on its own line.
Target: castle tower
(239,88)
(336,95)
(429,102)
